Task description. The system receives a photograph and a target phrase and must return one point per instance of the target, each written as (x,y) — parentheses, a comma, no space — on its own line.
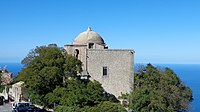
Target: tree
(80,94)
(45,68)
(105,106)
(159,90)
(70,66)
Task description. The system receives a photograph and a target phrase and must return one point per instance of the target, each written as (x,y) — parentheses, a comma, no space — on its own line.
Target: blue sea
(12,67)
(188,73)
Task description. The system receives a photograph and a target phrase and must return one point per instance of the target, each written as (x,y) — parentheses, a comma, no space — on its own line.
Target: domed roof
(88,36)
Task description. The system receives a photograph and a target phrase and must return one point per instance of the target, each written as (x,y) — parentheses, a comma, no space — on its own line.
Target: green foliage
(105,106)
(45,68)
(81,94)
(108,107)
(68,109)
(2,88)
(71,68)
(159,90)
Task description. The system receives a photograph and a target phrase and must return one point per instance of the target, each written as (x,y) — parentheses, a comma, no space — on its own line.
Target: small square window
(91,45)
(105,71)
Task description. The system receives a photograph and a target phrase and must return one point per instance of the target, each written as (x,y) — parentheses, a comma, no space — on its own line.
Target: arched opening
(76,53)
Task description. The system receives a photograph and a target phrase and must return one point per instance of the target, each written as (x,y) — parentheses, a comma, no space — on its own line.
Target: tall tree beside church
(45,69)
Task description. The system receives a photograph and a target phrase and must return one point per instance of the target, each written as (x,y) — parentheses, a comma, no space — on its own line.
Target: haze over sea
(188,73)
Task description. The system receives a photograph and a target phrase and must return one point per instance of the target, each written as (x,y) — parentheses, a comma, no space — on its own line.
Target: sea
(188,73)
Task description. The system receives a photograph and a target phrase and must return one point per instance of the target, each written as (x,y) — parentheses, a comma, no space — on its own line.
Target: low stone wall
(41,107)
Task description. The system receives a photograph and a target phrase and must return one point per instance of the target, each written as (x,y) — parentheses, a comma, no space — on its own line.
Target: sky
(160,31)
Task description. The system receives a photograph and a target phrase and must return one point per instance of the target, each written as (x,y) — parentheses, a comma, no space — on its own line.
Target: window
(105,71)
(76,53)
(91,45)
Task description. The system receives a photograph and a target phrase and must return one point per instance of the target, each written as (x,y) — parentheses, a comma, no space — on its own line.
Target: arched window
(76,53)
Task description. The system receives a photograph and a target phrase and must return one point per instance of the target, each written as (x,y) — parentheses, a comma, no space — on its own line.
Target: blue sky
(160,31)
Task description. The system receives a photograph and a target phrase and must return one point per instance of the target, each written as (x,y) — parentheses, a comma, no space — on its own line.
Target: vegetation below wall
(1,88)
(158,90)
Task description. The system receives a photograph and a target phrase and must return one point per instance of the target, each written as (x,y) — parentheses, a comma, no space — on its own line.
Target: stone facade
(6,77)
(113,68)
(119,65)
(78,51)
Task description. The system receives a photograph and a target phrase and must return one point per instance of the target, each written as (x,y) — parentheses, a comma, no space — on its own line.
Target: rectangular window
(91,45)
(105,71)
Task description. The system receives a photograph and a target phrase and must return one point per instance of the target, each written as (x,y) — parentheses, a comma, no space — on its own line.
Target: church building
(113,68)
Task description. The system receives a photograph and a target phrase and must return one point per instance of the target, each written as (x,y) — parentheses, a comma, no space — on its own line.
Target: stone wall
(71,49)
(120,67)
(82,55)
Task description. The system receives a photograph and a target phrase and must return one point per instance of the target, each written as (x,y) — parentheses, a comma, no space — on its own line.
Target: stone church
(113,68)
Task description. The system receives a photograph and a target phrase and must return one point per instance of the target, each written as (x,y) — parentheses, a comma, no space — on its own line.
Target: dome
(88,36)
